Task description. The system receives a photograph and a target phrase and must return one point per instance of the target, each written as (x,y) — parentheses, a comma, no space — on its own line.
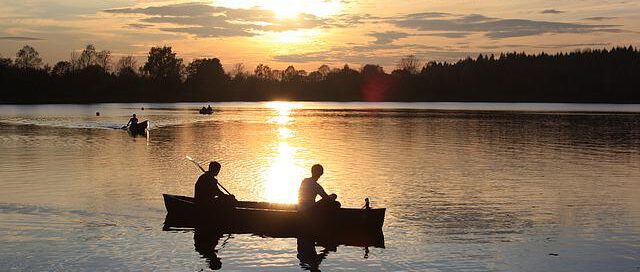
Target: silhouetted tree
(28,57)
(5,62)
(61,69)
(162,64)
(324,70)
(239,71)
(127,66)
(409,64)
(289,74)
(263,72)
(607,75)
(206,78)
(91,57)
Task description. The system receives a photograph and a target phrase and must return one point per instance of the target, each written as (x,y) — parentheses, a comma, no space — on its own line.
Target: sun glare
(292,9)
(283,107)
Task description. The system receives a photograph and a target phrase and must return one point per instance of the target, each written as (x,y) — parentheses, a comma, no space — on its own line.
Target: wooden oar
(199,166)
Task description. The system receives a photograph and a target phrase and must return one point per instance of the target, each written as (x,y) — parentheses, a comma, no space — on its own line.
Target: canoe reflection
(207,242)
(308,256)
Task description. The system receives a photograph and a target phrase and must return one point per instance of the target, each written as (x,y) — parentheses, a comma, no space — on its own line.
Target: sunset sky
(307,34)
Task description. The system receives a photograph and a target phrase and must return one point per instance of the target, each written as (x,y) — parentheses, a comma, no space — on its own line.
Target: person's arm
(129,122)
(321,191)
(217,191)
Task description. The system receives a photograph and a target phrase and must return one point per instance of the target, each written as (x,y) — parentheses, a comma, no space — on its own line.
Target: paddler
(207,192)
(310,188)
(133,121)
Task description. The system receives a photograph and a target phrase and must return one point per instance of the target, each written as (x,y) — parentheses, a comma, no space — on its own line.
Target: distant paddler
(133,122)
(310,188)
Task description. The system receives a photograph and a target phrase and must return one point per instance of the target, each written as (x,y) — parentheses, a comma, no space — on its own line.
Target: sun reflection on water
(286,169)
(283,111)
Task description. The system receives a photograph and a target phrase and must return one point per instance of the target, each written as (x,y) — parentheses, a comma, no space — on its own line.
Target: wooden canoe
(139,128)
(272,218)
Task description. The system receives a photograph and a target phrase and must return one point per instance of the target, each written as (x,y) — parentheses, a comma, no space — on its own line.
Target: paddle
(199,166)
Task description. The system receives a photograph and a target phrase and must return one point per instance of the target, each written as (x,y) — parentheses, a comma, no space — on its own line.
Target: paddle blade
(195,162)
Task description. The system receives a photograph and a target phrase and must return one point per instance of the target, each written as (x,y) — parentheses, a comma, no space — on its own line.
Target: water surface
(467,186)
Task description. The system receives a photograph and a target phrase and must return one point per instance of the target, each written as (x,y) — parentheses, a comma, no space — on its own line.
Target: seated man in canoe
(310,188)
(207,193)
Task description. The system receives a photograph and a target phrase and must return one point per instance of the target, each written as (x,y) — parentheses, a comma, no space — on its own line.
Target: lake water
(467,186)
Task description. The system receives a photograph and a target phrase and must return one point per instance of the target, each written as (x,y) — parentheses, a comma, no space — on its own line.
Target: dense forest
(91,76)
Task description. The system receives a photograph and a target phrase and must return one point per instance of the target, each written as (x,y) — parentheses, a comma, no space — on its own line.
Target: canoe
(140,128)
(205,111)
(272,218)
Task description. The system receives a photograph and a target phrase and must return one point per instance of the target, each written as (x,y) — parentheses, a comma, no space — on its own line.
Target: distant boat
(272,218)
(206,111)
(139,128)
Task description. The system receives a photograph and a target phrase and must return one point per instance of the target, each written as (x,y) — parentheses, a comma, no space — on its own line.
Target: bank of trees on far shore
(90,76)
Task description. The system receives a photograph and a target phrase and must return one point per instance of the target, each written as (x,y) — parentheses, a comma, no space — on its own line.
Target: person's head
(316,171)
(134,115)
(214,167)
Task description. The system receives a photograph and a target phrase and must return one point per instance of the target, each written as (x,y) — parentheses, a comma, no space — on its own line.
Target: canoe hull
(272,219)
(140,128)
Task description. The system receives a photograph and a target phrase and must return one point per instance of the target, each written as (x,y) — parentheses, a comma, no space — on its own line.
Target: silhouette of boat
(272,219)
(205,111)
(139,128)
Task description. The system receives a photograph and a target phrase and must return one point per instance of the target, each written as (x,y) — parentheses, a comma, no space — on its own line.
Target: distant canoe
(206,111)
(139,128)
(272,218)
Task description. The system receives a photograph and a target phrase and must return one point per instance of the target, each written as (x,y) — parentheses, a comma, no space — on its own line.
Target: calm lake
(467,186)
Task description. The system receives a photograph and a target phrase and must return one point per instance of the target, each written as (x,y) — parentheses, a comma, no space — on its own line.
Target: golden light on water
(283,176)
(286,170)
(283,110)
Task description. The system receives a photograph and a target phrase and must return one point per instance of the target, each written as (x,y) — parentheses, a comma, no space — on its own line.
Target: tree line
(92,76)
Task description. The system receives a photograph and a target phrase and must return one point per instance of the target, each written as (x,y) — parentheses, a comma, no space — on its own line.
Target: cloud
(599,18)
(139,26)
(184,10)
(423,15)
(387,36)
(551,11)
(451,35)
(337,56)
(208,32)
(386,54)
(203,20)
(545,46)
(494,28)
(20,39)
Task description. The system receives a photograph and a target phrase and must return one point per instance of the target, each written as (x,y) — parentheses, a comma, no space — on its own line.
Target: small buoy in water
(142,108)
(97,113)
